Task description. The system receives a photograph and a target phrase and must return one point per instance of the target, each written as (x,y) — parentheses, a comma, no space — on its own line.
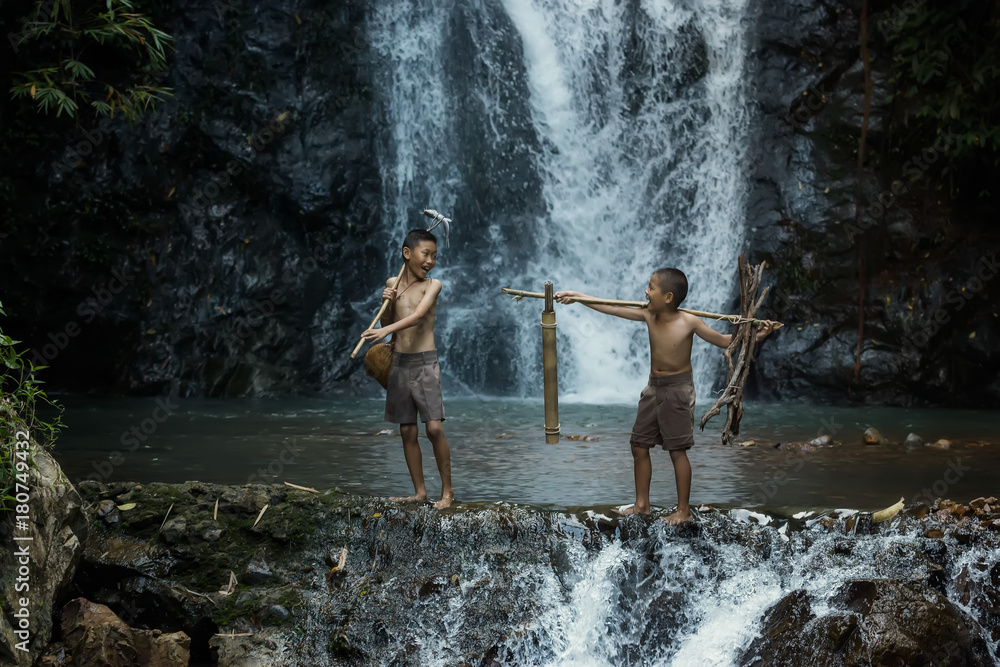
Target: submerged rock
(872,436)
(913,440)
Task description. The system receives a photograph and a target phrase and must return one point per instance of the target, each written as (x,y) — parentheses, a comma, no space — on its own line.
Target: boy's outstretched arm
(625,312)
(430,296)
(712,336)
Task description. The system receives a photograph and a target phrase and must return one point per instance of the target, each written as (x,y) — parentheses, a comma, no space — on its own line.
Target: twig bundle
(743,343)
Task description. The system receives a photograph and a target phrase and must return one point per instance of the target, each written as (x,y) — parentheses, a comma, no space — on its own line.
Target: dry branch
(742,347)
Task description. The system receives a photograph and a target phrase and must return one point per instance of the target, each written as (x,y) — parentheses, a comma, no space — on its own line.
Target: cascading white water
(640,117)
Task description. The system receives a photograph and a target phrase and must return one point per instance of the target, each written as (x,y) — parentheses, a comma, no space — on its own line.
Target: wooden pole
(735,319)
(550,373)
(385,304)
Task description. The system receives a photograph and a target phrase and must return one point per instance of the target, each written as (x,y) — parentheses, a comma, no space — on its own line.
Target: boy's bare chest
(668,334)
(408,302)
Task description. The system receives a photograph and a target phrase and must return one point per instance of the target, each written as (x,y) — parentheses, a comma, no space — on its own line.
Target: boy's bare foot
(629,510)
(678,518)
(446,500)
(415,498)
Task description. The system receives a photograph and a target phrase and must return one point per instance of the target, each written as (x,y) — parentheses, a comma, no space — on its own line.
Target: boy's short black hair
(672,280)
(415,236)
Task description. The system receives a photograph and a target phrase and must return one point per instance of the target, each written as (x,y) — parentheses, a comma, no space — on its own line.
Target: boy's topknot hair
(673,280)
(415,236)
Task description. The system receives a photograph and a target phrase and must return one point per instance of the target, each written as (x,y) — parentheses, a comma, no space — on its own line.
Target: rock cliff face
(215,248)
(931,329)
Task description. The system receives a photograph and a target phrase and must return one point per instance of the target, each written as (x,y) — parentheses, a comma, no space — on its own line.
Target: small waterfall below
(584,143)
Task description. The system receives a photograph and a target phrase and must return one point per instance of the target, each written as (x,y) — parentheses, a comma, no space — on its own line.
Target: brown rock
(934,533)
(978,503)
(941,444)
(157,649)
(873,437)
(94,635)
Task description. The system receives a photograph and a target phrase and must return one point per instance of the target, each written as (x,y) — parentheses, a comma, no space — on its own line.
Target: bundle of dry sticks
(742,347)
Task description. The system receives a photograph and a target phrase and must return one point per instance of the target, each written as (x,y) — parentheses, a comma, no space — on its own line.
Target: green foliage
(946,70)
(109,33)
(20,395)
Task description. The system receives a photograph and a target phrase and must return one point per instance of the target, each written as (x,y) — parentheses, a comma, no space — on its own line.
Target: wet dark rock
(905,624)
(174,530)
(257,572)
(791,612)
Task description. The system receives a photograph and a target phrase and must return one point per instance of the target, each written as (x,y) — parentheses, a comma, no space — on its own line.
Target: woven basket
(378,359)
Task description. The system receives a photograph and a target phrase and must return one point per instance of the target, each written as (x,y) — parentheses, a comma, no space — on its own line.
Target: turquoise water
(499,453)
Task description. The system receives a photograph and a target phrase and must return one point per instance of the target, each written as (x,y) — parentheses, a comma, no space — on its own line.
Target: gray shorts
(414,386)
(666,413)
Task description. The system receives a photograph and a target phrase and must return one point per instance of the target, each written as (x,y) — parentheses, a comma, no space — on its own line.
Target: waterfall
(587,143)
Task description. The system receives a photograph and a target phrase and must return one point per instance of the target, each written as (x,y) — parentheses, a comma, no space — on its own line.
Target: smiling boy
(414,385)
(666,406)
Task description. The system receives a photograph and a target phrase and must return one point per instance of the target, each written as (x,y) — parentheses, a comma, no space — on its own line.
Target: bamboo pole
(550,373)
(735,319)
(381,311)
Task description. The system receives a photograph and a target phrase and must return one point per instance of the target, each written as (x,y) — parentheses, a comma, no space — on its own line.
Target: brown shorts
(666,413)
(414,386)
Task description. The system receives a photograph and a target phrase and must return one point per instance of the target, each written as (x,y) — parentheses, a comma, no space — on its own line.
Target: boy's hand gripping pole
(438,220)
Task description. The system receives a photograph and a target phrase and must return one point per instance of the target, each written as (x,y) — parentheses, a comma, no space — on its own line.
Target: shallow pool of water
(499,453)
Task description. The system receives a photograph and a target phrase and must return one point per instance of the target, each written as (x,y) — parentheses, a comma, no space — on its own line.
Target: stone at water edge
(58,528)
(913,440)
(95,635)
(872,436)
(821,441)
(941,444)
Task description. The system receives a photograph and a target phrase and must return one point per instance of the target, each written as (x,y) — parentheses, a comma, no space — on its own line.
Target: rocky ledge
(204,574)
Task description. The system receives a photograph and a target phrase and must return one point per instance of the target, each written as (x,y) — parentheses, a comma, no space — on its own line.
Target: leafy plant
(61,82)
(20,396)
(946,70)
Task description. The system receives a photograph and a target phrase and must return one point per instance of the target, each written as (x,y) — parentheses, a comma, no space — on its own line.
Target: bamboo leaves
(64,88)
